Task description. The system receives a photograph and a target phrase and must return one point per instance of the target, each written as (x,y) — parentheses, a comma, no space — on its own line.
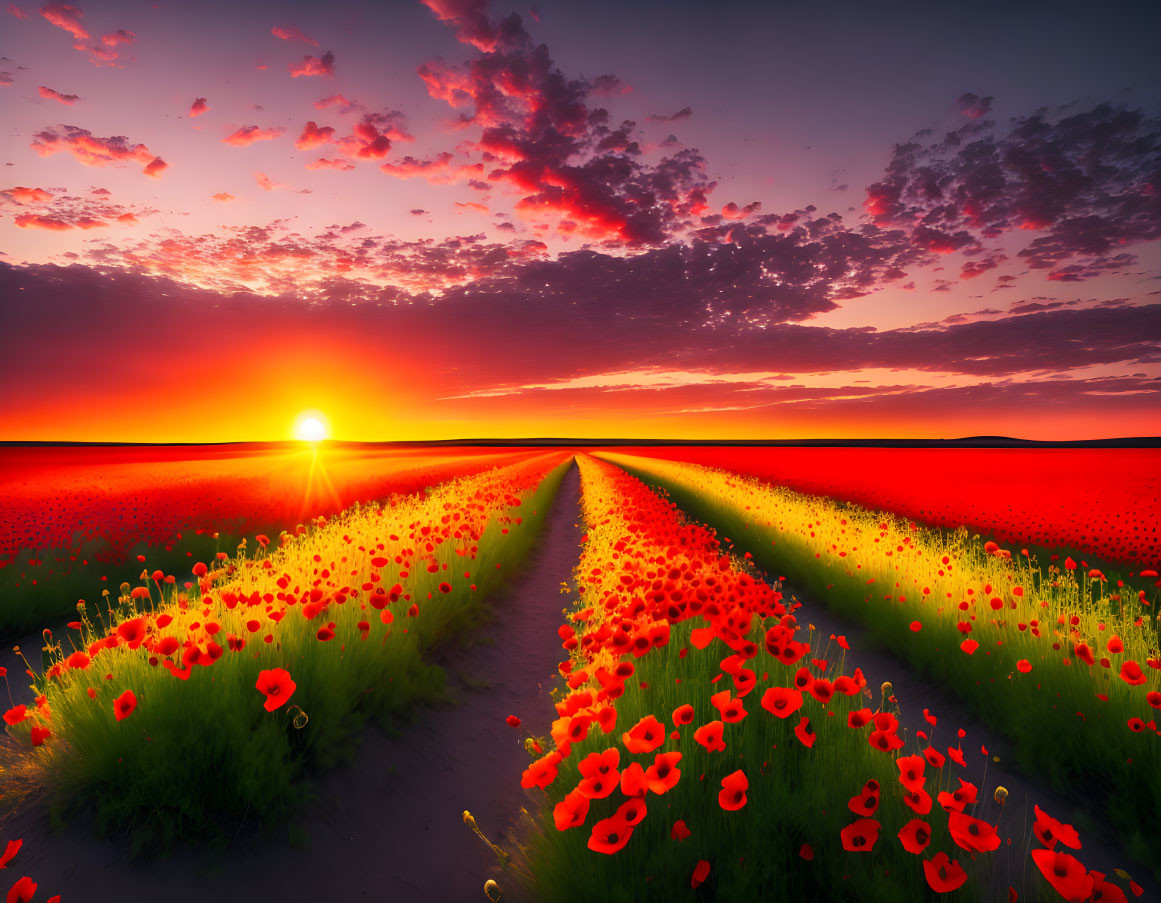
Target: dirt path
(388,828)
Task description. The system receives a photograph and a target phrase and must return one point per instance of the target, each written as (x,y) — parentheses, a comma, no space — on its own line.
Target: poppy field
(76,516)
(701,738)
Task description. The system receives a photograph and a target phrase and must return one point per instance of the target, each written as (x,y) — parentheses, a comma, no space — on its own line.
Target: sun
(311,427)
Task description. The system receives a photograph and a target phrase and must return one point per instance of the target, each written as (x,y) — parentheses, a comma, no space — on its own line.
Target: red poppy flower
(911,771)
(609,835)
(571,811)
(944,875)
(1023,666)
(10,851)
(731,709)
(512,721)
(867,801)
(645,736)
(822,690)
(683,714)
(132,631)
(631,812)
(1048,830)
(22,891)
(680,830)
(700,873)
(781,701)
(663,774)
(732,796)
(39,734)
(276,685)
(918,801)
(16,714)
(972,834)
(964,796)
(885,741)
(1106,891)
(915,836)
(600,774)
(858,718)
(324,634)
(710,736)
(806,851)
(542,772)
(860,835)
(935,757)
(805,733)
(633,781)
(124,705)
(1065,873)
(1131,673)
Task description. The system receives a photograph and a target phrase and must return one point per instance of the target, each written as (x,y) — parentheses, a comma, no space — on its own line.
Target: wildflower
(276,685)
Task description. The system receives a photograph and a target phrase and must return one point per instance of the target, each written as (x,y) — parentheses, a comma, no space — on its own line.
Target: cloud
(410,167)
(22,195)
(683,113)
(1081,186)
(338,100)
(973,106)
(609,86)
(312,136)
(290,33)
(224,197)
(198,107)
(6,80)
(248,134)
(472,206)
(93,151)
(314,65)
(472,23)
(17,11)
(62,15)
(50,94)
(333,163)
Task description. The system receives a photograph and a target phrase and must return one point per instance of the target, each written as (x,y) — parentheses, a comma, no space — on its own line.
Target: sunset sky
(455,218)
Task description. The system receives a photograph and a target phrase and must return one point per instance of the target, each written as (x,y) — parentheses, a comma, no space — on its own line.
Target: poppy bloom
(571,811)
(600,774)
(731,709)
(16,714)
(972,834)
(512,721)
(9,851)
(1065,873)
(276,685)
(631,812)
(663,774)
(39,734)
(710,736)
(806,851)
(542,772)
(732,796)
(858,718)
(1048,831)
(132,631)
(918,801)
(805,733)
(22,891)
(683,714)
(781,701)
(915,836)
(944,875)
(969,646)
(911,771)
(645,736)
(633,781)
(1131,673)
(867,801)
(680,830)
(124,705)
(964,796)
(609,835)
(700,873)
(860,835)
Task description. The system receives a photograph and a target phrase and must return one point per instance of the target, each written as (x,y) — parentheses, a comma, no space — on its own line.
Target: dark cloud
(683,113)
(1086,185)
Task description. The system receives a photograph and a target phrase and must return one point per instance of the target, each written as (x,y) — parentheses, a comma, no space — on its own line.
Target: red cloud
(324,163)
(471,20)
(224,197)
(62,15)
(93,151)
(198,107)
(472,205)
(290,33)
(973,106)
(313,136)
(120,36)
(22,195)
(36,221)
(338,100)
(314,65)
(17,11)
(50,94)
(733,211)
(248,134)
(410,167)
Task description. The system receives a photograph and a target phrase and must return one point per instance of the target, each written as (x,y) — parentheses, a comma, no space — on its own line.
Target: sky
(432,219)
